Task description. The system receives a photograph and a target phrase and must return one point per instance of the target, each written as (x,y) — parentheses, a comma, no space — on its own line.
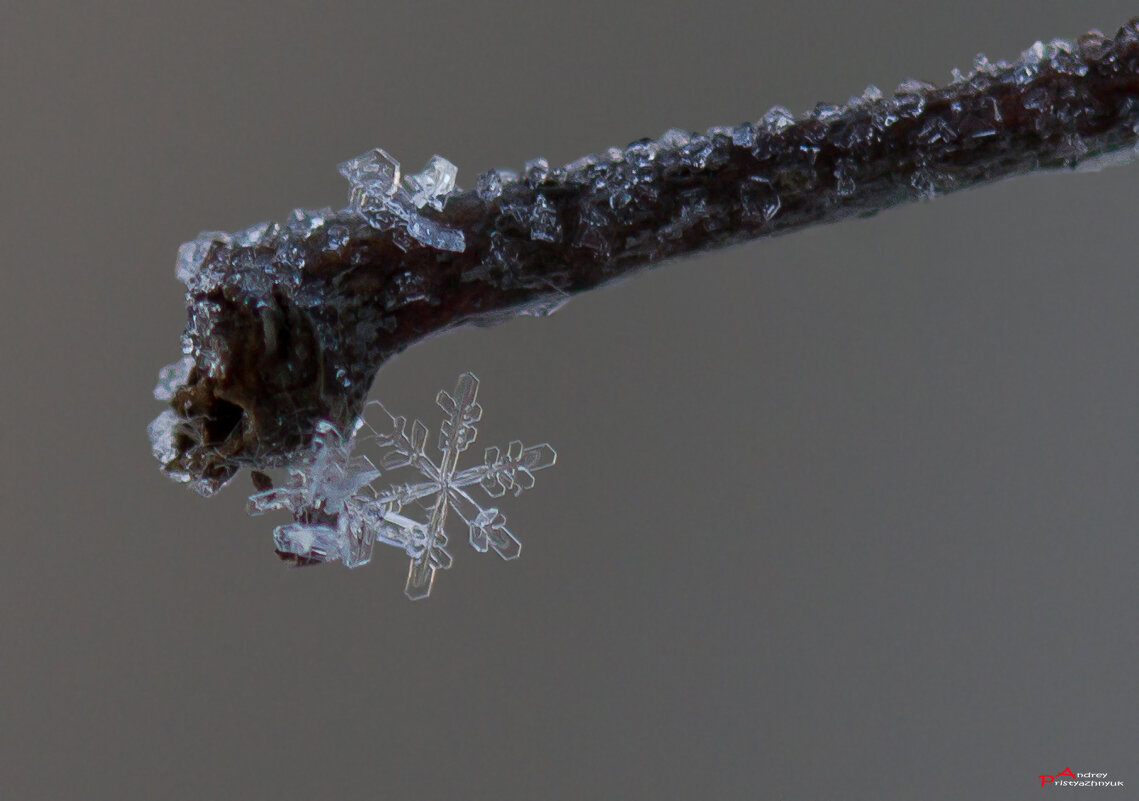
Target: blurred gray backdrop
(847,514)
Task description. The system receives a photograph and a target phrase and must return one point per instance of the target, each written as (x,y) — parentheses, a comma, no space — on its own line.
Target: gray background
(847,514)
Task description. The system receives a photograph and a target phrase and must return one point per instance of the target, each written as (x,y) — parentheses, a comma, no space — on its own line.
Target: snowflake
(339,514)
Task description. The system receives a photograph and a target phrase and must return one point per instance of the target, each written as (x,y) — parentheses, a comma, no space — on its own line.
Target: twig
(289,324)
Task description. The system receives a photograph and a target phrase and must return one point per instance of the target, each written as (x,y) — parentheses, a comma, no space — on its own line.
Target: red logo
(1065,772)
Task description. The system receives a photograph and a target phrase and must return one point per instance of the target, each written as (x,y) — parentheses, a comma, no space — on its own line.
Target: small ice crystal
(313,541)
(639,158)
(1128,33)
(825,112)
(592,222)
(927,181)
(580,171)
(307,221)
(544,225)
(489,185)
(291,254)
(935,131)
(377,194)
(430,233)
(248,237)
(171,377)
(912,86)
(374,173)
(337,237)
(1034,55)
(698,152)
(1030,63)
(161,433)
(535,171)
(323,480)
(844,178)
(675,137)
(1038,99)
(759,199)
(433,184)
(192,255)
(777,119)
(743,135)
(620,197)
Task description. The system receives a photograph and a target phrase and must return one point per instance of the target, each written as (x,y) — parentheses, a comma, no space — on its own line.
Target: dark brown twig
(289,324)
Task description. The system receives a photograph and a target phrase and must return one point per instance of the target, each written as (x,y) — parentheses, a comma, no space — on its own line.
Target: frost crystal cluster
(376,193)
(340,512)
(388,203)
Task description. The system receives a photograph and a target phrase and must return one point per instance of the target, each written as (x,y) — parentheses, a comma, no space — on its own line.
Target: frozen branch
(288,324)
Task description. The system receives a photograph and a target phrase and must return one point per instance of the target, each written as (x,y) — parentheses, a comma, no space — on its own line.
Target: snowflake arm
(487,526)
(455,435)
(514,471)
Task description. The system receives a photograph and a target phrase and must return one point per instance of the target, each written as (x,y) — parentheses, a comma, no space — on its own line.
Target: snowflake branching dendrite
(339,514)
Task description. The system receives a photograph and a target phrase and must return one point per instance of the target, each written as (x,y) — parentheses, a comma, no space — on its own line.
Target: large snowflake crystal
(339,514)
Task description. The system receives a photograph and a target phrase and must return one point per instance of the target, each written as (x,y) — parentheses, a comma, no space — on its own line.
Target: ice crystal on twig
(171,377)
(385,202)
(339,514)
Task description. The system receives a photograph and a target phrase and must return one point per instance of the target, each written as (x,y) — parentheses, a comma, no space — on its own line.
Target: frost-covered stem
(282,341)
